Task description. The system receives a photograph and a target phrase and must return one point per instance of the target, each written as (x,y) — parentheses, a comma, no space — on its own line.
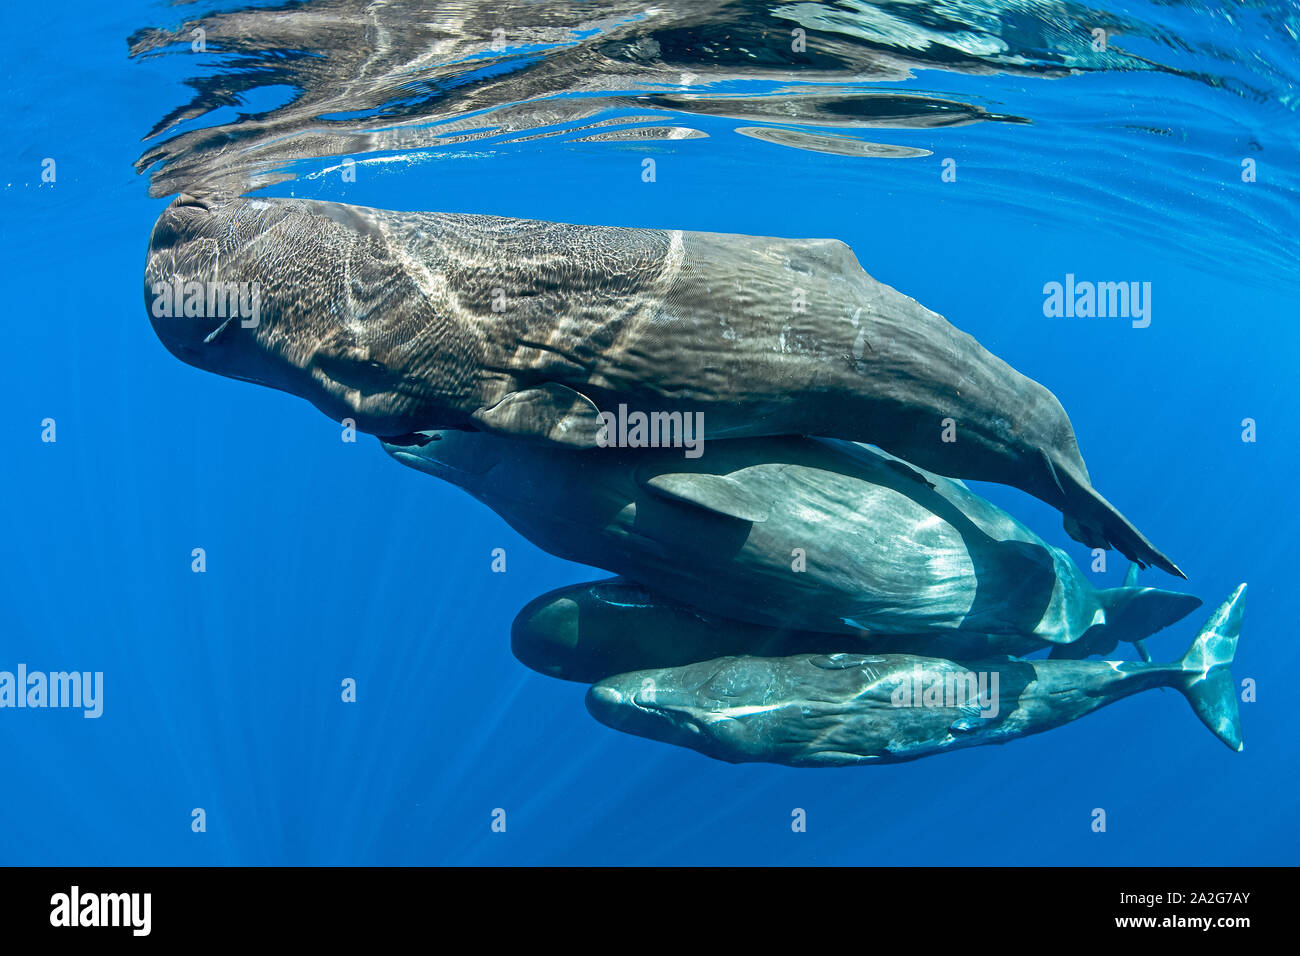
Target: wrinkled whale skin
(403,321)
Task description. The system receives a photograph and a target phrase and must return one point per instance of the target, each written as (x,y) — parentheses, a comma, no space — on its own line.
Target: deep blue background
(327,560)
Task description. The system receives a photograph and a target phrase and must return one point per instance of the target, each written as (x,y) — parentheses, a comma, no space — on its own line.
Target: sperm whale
(844,709)
(405,321)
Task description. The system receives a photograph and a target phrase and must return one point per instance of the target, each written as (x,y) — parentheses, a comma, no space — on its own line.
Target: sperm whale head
(460,457)
(724,708)
(200,280)
(293,295)
(645,704)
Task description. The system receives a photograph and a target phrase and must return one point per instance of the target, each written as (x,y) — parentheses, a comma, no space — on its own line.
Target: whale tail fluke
(1093,520)
(1134,613)
(1205,677)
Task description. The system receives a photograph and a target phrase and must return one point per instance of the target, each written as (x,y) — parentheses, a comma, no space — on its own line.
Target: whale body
(845,709)
(404,321)
(809,534)
(587,632)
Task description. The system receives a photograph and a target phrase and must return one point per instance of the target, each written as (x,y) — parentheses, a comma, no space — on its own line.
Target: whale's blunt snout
(648,704)
(234,286)
(604,697)
(206,305)
(175,259)
(546,635)
(461,457)
(187,218)
(607,704)
(620,702)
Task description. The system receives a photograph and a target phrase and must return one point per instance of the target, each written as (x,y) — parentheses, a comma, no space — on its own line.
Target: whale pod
(842,709)
(796,533)
(405,322)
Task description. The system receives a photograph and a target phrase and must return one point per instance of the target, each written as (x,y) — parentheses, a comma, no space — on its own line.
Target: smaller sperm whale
(796,533)
(402,322)
(587,632)
(843,709)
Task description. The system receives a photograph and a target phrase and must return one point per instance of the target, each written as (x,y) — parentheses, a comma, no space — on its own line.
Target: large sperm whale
(814,534)
(404,322)
(842,709)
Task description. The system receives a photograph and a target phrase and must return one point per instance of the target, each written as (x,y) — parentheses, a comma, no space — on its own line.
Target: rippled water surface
(281,92)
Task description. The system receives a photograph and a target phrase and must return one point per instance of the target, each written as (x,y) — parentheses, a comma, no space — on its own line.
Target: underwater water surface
(968,153)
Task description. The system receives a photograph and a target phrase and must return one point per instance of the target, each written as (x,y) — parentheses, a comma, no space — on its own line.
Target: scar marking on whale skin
(860,340)
(216,333)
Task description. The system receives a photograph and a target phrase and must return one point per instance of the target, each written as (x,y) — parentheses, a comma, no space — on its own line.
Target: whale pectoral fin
(1091,518)
(716,493)
(550,412)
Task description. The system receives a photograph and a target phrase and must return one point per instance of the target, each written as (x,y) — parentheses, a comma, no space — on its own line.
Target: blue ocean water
(326,560)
